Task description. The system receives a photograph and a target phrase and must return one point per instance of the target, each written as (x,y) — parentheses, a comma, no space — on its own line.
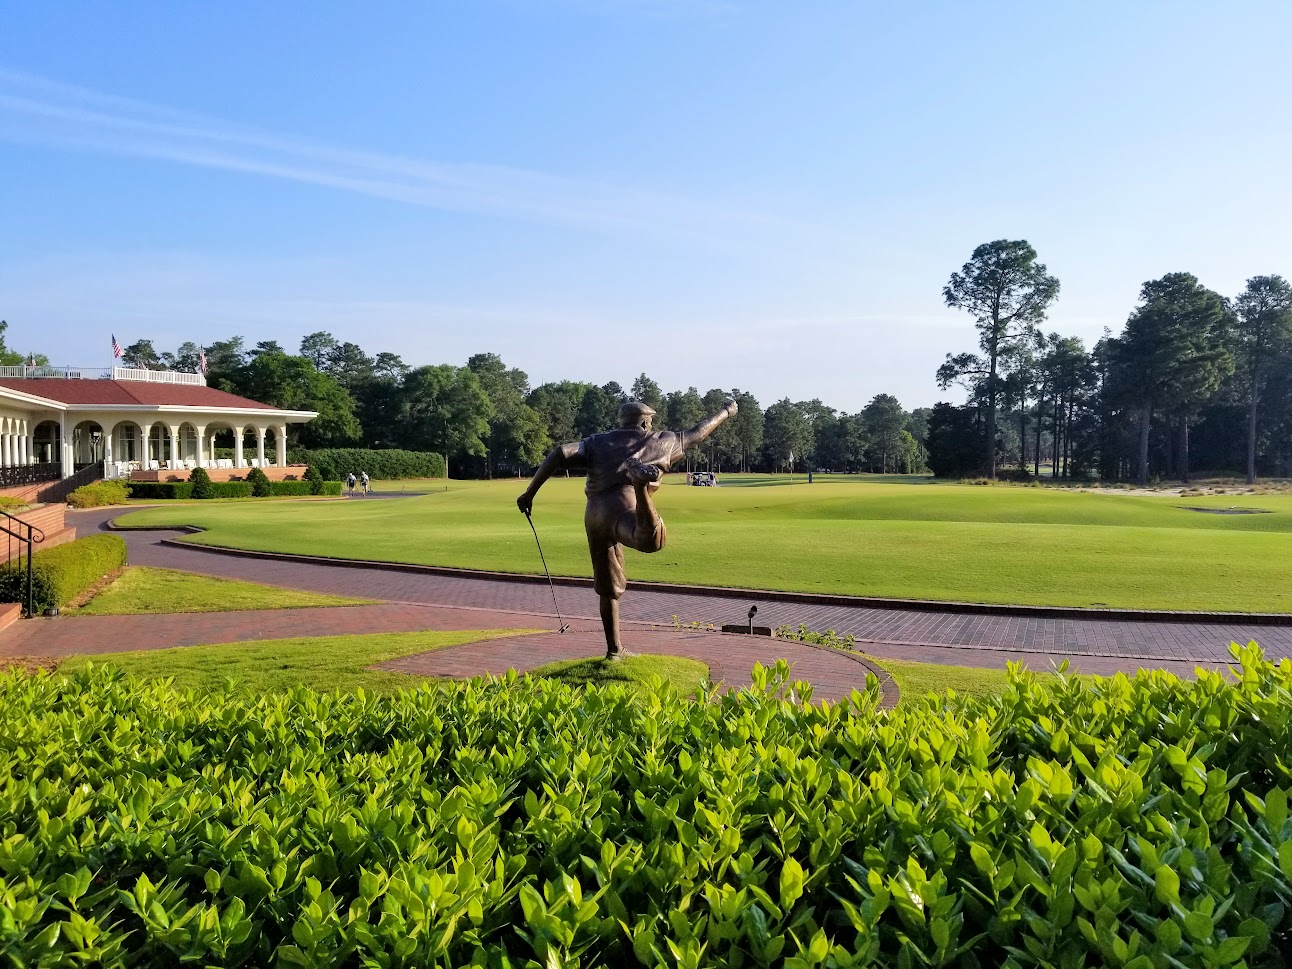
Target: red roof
(111,393)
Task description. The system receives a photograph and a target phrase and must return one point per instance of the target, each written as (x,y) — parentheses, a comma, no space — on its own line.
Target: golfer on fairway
(624,468)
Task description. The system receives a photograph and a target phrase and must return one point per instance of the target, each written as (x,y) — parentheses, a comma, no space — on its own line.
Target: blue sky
(767,196)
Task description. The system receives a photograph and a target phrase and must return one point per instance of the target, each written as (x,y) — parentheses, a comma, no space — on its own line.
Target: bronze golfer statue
(624,468)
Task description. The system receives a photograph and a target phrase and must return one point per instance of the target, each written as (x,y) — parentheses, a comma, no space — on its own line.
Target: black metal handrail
(26,535)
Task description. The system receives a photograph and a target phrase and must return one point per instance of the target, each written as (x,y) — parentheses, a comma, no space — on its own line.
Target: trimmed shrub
(315,479)
(302,489)
(261,486)
(230,489)
(163,490)
(61,574)
(201,482)
(387,463)
(11,504)
(98,494)
(1137,821)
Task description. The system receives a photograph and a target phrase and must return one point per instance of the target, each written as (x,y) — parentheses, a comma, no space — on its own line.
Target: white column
(280,433)
(201,446)
(237,447)
(24,444)
(6,457)
(107,446)
(260,447)
(65,447)
(174,443)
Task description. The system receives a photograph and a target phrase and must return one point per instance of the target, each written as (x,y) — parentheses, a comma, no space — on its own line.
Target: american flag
(201,359)
(116,347)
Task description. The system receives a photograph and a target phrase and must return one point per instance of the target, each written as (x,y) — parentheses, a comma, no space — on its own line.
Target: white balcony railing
(159,376)
(98,373)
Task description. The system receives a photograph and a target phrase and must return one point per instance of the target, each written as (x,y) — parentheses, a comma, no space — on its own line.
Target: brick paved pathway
(1094,645)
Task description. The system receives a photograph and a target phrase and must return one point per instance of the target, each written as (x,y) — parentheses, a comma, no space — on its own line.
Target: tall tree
(786,432)
(448,411)
(1007,292)
(746,428)
(517,437)
(686,409)
(599,409)
(348,365)
(142,355)
(647,391)
(293,383)
(885,422)
(558,405)
(317,348)
(1170,351)
(1263,331)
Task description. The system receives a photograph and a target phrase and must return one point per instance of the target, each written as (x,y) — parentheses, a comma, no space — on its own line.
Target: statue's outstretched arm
(701,431)
(558,459)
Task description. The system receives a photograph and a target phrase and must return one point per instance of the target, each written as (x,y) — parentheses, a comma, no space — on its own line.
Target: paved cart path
(1095,645)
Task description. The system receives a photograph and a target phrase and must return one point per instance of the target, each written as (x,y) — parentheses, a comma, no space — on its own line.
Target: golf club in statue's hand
(624,468)
(529,518)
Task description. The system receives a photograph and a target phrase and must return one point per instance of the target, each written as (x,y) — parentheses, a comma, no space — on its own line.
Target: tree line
(1194,379)
(488,421)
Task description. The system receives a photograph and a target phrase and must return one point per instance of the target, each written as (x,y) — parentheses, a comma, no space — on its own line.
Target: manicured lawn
(916,680)
(140,589)
(320,662)
(1037,546)
(684,675)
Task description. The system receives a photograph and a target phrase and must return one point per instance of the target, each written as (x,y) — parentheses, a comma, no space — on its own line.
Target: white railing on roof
(98,373)
(72,373)
(159,376)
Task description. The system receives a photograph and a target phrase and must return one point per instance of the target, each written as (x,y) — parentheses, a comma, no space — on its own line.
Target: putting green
(1033,546)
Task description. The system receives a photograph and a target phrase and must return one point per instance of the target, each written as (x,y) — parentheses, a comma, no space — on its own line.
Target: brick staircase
(50,519)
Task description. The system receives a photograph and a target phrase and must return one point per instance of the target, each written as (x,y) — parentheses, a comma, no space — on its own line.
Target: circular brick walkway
(833,673)
(1094,645)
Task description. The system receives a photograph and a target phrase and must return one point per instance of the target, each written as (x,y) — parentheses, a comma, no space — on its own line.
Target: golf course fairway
(1034,546)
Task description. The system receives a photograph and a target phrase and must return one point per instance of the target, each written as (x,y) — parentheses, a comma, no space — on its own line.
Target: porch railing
(25,536)
(29,474)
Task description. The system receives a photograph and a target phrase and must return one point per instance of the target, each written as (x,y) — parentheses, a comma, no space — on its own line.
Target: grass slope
(140,589)
(926,541)
(321,662)
(682,673)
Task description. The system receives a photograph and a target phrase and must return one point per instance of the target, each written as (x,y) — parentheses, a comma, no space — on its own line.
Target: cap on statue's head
(635,414)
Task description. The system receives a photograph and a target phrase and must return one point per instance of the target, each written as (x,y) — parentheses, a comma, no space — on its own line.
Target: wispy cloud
(35,110)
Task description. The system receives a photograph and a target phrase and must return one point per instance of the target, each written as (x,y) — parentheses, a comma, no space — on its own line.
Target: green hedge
(61,574)
(1134,822)
(304,488)
(98,494)
(163,490)
(167,490)
(385,464)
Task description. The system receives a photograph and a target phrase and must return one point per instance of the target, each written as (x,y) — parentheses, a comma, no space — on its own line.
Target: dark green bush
(230,489)
(62,573)
(261,486)
(315,479)
(387,463)
(98,494)
(201,482)
(160,490)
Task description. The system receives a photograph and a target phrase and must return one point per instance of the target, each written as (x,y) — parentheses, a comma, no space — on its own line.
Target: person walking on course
(624,468)
(349,483)
(363,480)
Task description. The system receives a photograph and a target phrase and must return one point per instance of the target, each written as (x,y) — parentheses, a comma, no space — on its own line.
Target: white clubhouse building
(136,423)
